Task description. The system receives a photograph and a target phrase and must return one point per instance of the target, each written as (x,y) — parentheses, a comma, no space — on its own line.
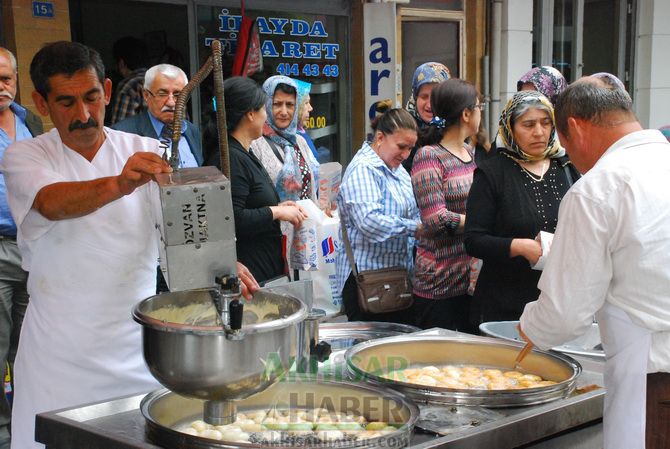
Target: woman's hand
(461,225)
(421,231)
(248,284)
(289,211)
(529,249)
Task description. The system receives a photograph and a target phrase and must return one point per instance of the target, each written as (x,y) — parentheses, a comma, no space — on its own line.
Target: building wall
(517,45)
(652,64)
(25,35)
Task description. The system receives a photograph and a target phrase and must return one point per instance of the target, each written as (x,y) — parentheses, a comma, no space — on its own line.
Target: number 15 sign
(43,9)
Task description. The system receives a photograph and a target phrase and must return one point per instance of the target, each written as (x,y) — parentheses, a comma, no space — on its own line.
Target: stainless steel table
(571,422)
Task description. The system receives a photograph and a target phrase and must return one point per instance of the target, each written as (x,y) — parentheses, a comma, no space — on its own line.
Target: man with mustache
(80,197)
(162,85)
(16,123)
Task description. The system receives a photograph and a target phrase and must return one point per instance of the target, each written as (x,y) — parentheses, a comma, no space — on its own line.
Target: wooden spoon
(522,355)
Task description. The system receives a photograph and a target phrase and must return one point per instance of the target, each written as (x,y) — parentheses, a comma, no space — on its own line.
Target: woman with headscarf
(256,206)
(426,77)
(515,194)
(304,109)
(545,79)
(284,154)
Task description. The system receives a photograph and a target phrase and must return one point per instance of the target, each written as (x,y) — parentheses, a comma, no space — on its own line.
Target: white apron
(79,343)
(627,347)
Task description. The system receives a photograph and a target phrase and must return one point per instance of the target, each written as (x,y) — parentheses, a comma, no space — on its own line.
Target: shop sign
(300,44)
(379,24)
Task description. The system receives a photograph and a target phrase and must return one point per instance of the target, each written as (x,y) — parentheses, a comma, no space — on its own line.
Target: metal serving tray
(164,411)
(368,361)
(587,345)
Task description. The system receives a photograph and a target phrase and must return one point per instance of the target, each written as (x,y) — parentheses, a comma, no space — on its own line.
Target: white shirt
(79,343)
(612,245)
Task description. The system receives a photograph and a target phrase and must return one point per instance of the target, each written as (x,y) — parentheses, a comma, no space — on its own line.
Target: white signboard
(379,24)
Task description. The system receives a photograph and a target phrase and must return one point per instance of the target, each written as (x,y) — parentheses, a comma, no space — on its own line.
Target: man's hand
(64,200)
(248,284)
(139,169)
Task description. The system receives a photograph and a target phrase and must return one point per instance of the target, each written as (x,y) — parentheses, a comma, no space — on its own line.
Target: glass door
(581,37)
(420,30)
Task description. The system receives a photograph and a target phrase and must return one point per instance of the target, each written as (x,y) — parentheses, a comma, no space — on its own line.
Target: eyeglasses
(480,106)
(280,104)
(164,95)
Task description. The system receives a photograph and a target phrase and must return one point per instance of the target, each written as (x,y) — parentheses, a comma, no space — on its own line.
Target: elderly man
(16,123)
(611,257)
(162,85)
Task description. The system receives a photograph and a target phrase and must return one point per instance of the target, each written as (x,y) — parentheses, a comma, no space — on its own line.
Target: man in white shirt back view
(611,258)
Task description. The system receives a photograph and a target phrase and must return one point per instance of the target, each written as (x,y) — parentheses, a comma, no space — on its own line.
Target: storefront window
(309,47)
(563,37)
(600,37)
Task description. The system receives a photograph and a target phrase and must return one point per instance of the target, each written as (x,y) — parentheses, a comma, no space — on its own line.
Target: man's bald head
(596,100)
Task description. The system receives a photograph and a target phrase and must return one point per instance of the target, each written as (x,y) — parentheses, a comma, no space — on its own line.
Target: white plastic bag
(324,279)
(315,245)
(330,177)
(304,246)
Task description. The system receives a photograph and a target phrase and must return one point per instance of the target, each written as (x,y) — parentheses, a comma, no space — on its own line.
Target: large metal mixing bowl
(188,352)
(370,360)
(164,412)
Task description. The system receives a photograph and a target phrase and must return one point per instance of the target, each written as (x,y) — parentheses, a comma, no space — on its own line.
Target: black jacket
(500,207)
(259,237)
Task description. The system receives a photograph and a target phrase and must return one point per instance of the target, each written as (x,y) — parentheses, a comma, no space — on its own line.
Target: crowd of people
(427,193)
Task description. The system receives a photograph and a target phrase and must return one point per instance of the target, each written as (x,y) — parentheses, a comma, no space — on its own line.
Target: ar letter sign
(380,74)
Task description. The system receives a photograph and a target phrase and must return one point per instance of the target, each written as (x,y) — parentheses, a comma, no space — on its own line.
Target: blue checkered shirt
(377,206)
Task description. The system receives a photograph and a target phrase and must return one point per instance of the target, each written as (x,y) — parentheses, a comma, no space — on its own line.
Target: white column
(379,50)
(652,63)
(517,45)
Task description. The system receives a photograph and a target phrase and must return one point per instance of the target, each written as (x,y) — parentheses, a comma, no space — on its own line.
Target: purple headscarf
(547,80)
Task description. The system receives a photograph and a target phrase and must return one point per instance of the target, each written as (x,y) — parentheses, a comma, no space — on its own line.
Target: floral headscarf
(289,182)
(506,136)
(430,72)
(286,136)
(546,79)
(610,79)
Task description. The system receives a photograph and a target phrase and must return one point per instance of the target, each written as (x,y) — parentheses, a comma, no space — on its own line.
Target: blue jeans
(13,304)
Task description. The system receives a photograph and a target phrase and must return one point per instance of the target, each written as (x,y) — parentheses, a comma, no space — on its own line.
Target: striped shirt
(377,206)
(441,184)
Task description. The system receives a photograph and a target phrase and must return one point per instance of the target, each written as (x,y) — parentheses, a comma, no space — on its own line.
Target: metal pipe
(214,64)
(487,92)
(220,108)
(496,37)
(180,108)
